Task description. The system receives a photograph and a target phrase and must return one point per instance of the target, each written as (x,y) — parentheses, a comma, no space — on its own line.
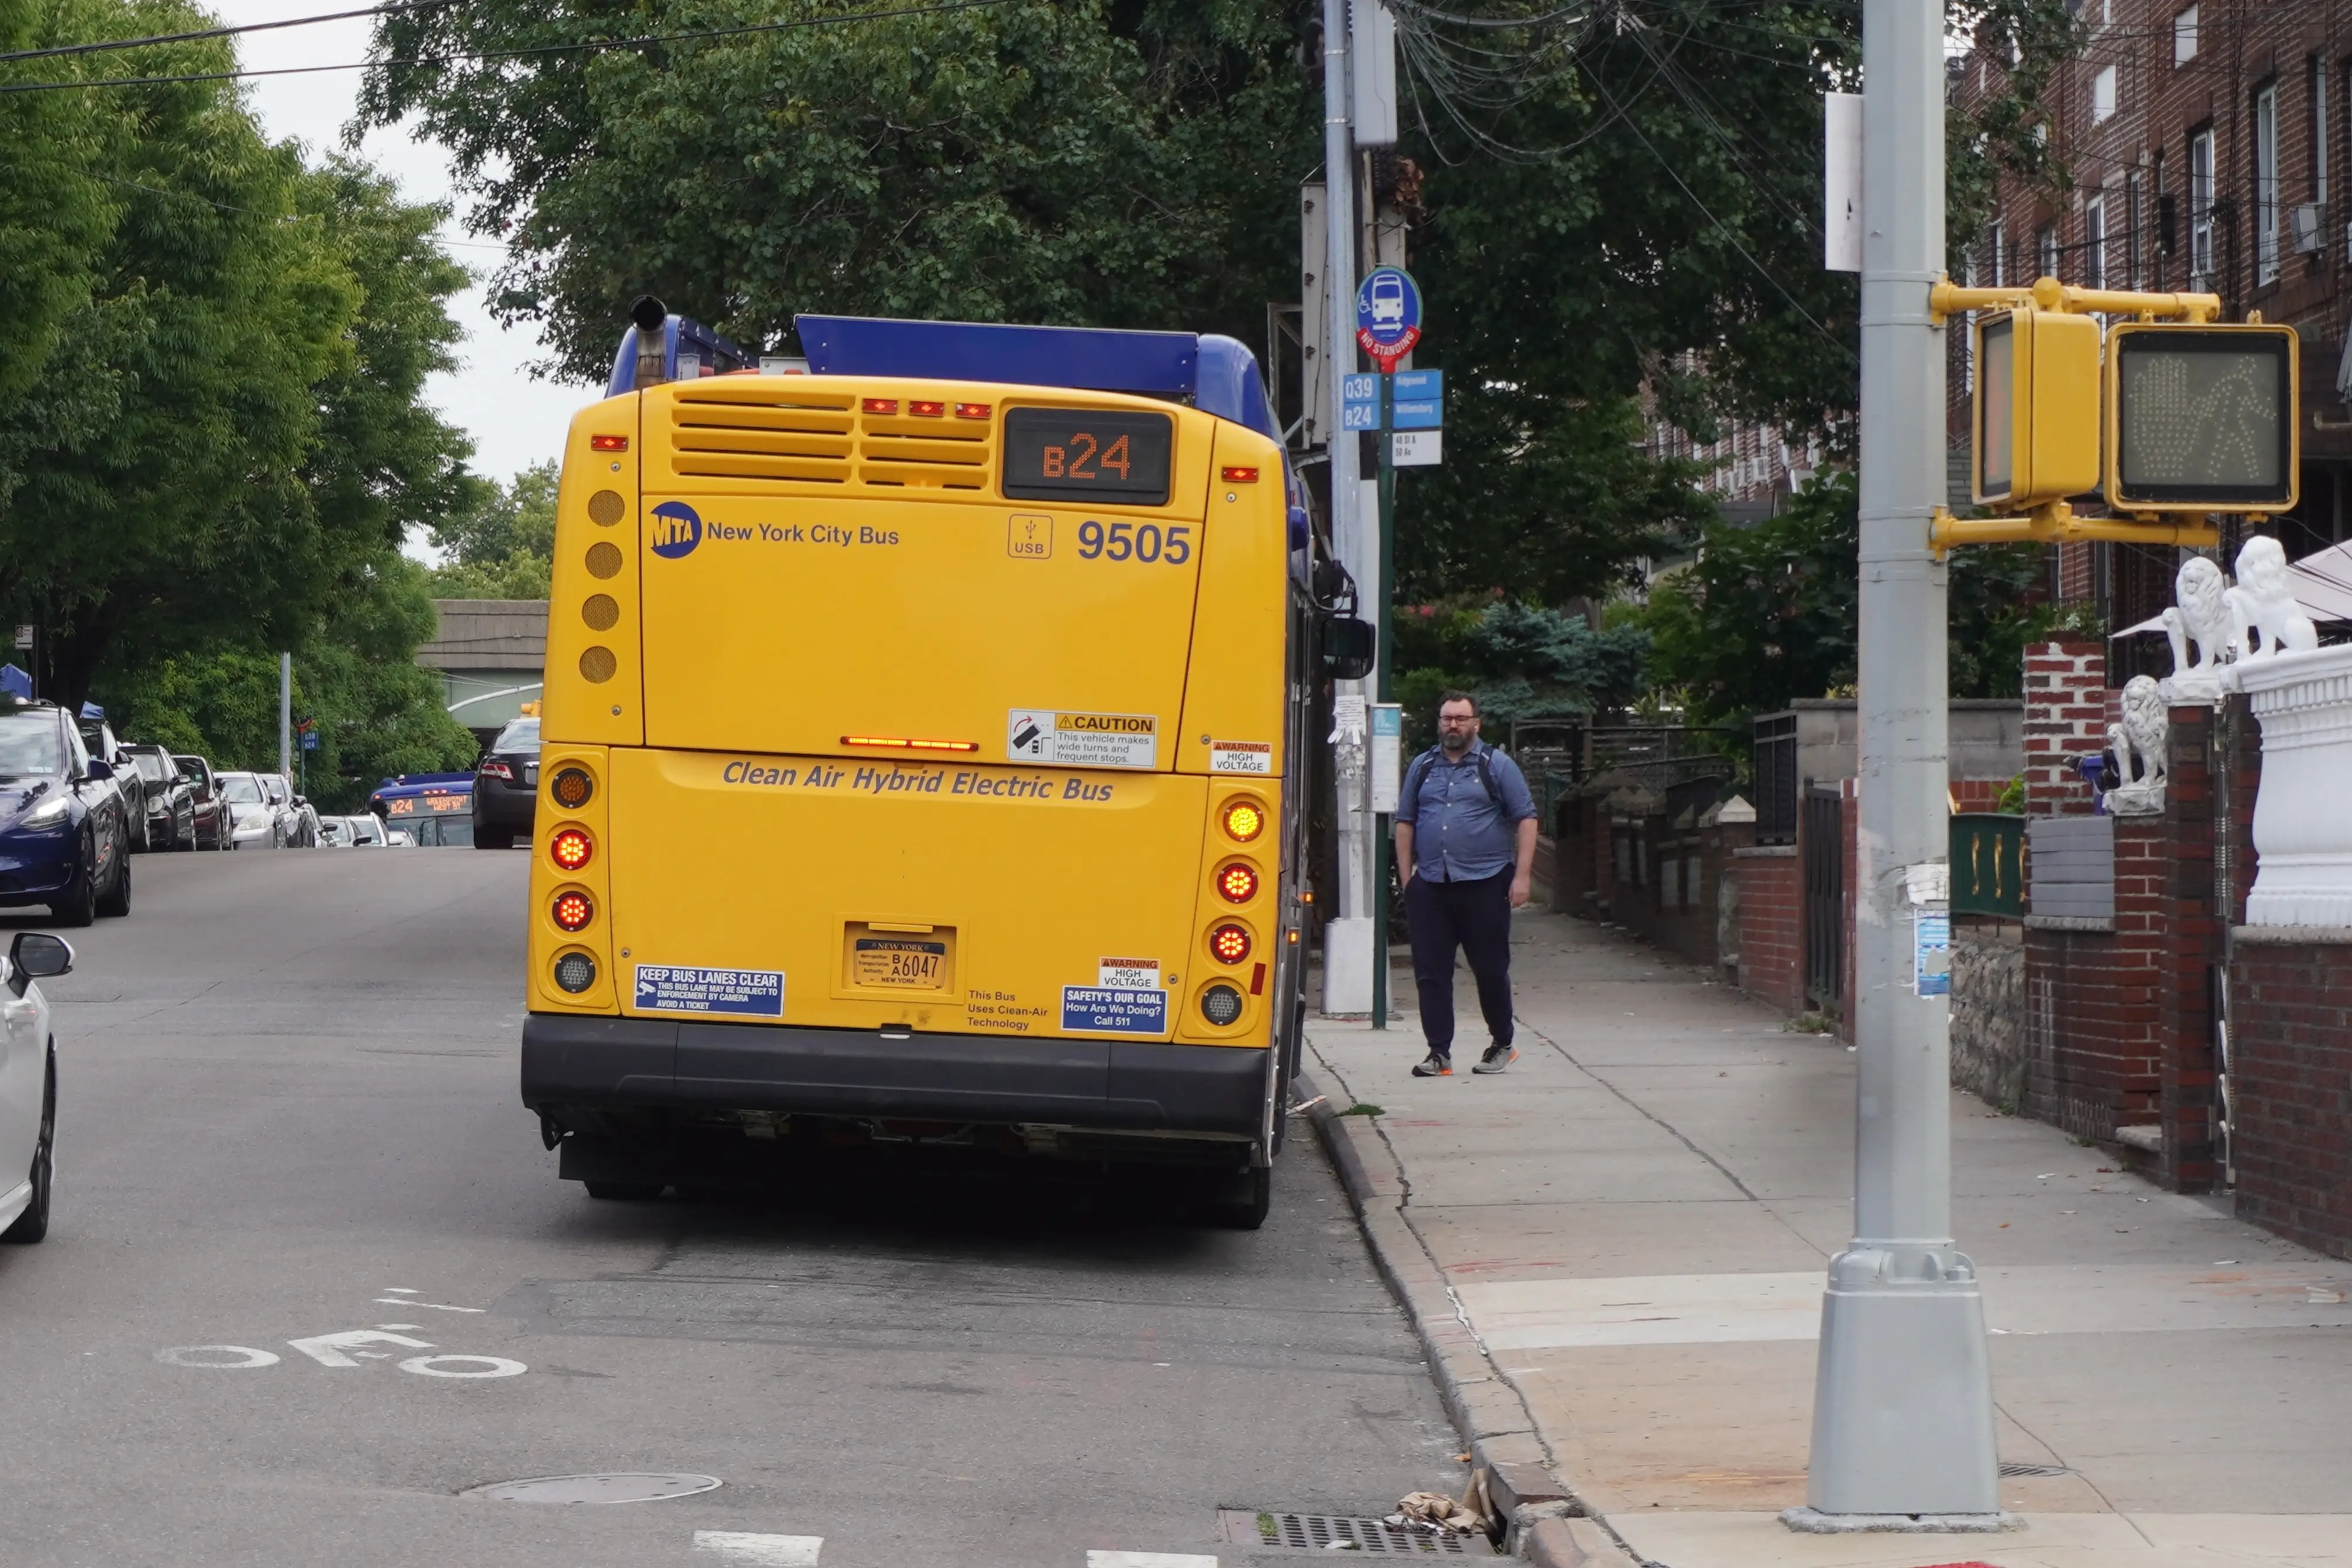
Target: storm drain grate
(2019,1467)
(1344,1532)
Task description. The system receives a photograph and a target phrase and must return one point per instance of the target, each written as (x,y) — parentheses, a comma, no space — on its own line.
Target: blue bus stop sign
(1387,315)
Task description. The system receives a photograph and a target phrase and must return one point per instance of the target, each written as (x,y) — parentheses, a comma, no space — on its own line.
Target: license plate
(531,772)
(899,963)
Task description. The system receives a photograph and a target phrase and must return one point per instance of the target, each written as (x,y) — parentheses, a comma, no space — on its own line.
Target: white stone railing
(2303,831)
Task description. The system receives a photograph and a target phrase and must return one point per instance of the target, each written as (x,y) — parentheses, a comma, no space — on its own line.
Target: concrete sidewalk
(1616,1251)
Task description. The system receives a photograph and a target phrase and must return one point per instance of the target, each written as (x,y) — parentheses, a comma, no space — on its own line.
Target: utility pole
(1903,1422)
(1350,945)
(286,715)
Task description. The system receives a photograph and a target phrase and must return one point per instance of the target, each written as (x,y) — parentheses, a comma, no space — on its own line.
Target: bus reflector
(1221,1004)
(570,849)
(1244,820)
(1257,979)
(901,743)
(571,788)
(608,444)
(1238,475)
(1237,884)
(1230,944)
(574,910)
(922,408)
(576,972)
(972,411)
(881,405)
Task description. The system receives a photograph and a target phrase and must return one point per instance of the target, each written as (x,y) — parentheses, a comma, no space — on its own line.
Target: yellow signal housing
(2036,407)
(2203,418)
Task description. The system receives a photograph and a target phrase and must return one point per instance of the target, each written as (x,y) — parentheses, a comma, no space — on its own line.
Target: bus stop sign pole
(1903,1419)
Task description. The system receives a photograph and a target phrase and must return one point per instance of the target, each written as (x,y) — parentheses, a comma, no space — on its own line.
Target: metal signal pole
(1903,1423)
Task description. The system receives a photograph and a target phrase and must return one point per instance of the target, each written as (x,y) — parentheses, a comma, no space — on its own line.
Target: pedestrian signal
(2201,418)
(2037,406)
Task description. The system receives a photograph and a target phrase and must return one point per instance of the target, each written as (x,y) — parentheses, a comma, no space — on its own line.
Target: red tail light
(1237,884)
(881,405)
(1230,944)
(574,910)
(1238,475)
(570,849)
(495,769)
(971,410)
(921,409)
(608,444)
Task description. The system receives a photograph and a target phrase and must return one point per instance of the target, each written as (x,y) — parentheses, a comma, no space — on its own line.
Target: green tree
(1522,661)
(502,546)
(1767,614)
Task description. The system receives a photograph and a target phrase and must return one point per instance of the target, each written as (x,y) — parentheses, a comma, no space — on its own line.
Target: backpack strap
(1418,773)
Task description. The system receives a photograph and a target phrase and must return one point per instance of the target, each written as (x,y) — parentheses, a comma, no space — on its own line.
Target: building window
(2184,36)
(2094,242)
(2318,131)
(2266,187)
(2103,96)
(2200,210)
(1999,254)
(2134,214)
(2045,249)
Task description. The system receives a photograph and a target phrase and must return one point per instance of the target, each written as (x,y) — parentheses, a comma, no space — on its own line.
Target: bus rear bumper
(694,1067)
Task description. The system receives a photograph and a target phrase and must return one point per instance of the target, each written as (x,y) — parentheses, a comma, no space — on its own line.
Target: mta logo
(676,530)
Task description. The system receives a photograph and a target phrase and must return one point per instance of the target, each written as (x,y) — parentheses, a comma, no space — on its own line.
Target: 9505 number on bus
(1171,545)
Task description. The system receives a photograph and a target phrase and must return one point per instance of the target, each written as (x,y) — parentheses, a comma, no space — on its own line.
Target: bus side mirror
(1351,647)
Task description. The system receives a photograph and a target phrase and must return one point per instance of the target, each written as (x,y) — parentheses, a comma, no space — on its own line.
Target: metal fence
(1989,864)
(1822,849)
(1776,778)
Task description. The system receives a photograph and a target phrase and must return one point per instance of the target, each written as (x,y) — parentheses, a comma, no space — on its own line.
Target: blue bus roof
(424,784)
(1219,375)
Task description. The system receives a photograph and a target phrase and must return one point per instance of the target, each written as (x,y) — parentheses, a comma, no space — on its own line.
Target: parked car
(367,834)
(171,799)
(255,821)
(99,736)
(65,827)
(28,1086)
(300,819)
(212,812)
(334,833)
(506,785)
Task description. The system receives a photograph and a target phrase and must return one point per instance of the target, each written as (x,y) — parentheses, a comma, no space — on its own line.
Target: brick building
(2211,150)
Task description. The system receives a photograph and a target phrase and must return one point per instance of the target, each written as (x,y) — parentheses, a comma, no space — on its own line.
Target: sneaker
(1435,1067)
(1497,1057)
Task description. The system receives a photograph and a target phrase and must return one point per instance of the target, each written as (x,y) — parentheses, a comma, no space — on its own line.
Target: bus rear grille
(754,429)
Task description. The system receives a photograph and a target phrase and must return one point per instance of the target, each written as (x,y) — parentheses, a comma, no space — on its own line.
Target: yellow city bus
(922,739)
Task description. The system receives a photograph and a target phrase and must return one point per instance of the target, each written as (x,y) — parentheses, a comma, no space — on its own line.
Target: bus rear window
(1088,455)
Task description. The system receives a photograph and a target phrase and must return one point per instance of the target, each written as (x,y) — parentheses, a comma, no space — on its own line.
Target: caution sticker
(1129,974)
(1241,757)
(680,988)
(1114,1009)
(1082,740)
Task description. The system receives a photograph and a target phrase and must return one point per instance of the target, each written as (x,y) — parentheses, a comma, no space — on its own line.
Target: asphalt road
(288,1110)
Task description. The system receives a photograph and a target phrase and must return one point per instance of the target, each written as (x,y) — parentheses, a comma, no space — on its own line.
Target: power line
(461,55)
(219,32)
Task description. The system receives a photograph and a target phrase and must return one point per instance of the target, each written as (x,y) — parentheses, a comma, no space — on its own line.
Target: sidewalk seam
(1446,1354)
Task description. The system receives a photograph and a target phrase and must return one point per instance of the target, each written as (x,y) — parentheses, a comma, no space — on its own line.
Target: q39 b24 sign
(1387,315)
(1112,455)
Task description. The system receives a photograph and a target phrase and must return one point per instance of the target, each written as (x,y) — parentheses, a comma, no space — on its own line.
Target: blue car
(65,828)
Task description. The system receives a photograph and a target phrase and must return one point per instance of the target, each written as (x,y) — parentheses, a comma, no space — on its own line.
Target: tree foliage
(1767,614)
(212,434)
(1521,660)
(503,545)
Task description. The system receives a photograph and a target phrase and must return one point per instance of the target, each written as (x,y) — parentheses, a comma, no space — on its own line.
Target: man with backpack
(1465,843)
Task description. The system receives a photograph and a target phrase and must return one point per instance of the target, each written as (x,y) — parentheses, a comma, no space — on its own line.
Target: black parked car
(65,827)
(212,811)
(171,799)
(506,785)
(97,737)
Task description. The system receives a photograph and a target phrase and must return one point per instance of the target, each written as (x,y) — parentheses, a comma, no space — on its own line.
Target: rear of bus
(914,768)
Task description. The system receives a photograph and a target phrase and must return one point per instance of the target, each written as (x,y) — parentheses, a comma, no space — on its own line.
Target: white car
(367,832)
(256,822)
(28,1085)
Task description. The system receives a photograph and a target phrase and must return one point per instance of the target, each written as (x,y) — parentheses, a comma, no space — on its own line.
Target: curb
(1483,1404)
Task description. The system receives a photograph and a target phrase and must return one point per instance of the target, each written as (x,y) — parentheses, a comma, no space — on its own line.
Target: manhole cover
(2018,1468)
(613,1486)
(1343,1532)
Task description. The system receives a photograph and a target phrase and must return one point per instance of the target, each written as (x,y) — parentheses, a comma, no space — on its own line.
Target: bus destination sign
(1088,455)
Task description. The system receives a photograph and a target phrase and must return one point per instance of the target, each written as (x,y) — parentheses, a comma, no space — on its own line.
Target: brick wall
(1771,957)
(2065,718)
(2191,935)
(2291,1087)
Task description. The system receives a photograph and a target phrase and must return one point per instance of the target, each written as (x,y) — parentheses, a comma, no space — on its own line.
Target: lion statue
(2264,616)
(2139,744)
(2200,616)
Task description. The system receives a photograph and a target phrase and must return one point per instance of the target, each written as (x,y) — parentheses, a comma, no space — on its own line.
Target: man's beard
(1456,744)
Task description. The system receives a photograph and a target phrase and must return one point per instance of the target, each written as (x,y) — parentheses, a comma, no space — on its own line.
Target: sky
(515,421)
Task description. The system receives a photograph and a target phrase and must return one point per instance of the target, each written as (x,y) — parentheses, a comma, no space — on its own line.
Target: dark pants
(1477,917)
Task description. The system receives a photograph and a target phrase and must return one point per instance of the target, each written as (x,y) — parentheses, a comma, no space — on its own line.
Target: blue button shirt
(1459,834)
